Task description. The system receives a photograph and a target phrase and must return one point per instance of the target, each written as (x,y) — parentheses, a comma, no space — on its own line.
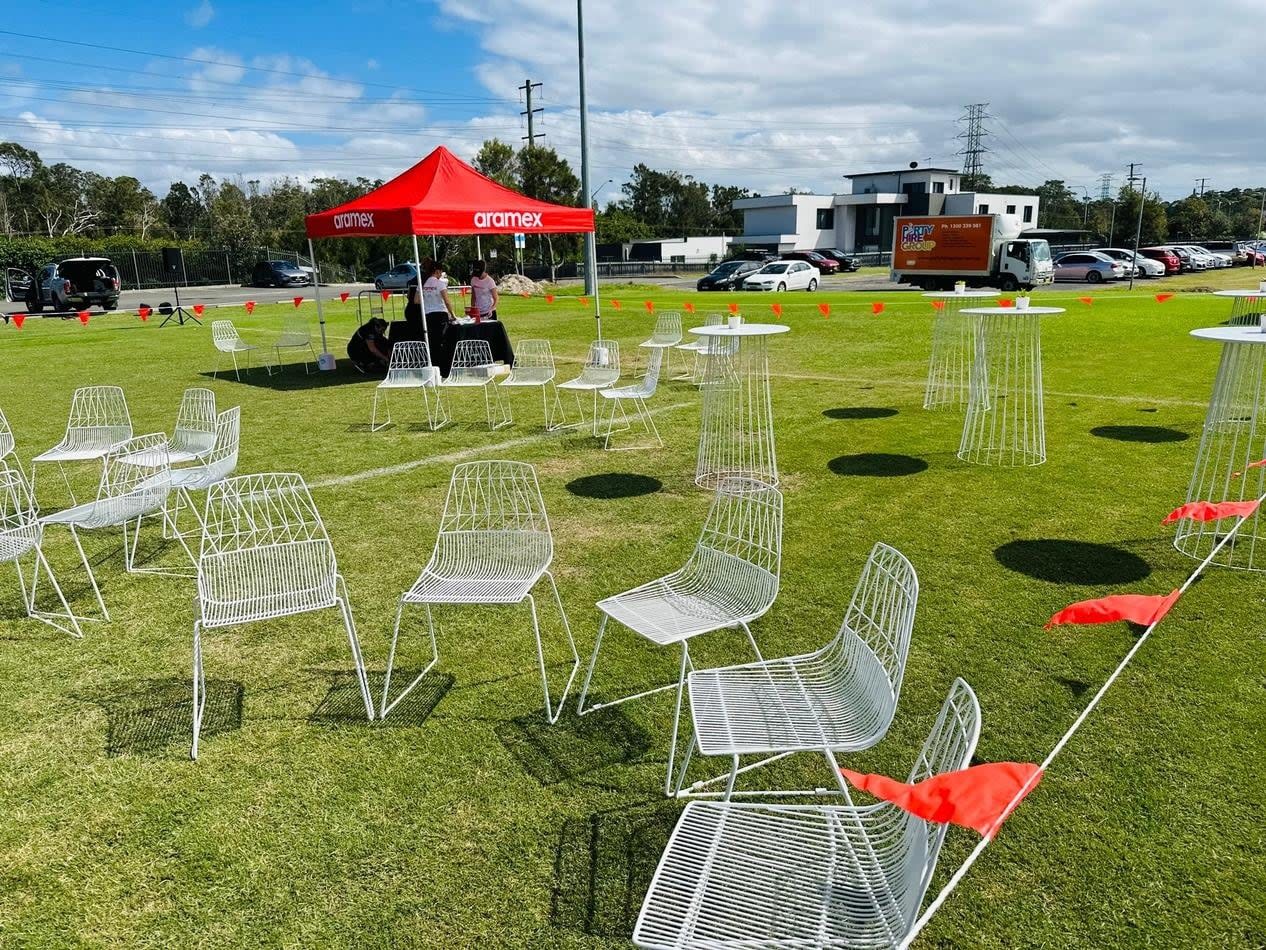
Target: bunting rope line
(952,884)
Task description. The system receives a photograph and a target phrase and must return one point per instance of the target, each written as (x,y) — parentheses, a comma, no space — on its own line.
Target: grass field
(466,821)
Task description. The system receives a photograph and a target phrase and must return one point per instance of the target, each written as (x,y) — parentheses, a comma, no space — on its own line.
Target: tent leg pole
(326,360)
(418,260)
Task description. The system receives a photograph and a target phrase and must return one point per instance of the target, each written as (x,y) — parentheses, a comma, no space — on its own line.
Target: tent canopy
(443,195)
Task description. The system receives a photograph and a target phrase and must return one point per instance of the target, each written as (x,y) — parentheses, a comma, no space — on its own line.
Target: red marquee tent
(440,195)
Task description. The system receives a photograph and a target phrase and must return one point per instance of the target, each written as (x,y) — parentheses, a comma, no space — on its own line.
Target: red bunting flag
(1161,298)
(734,308)
(825,310)
(650,306)
(777,308)
(83,317)
(343,296)
(298,300)
(1208,511)
(386,295)
(1006,303)
(250,306)
(144,313)
(690,307)
(584,301)
(981,797)
(549,298)
(464,291)
(19,319)
(525,294)
(938,304)
(1259,464)
(615,304)
(1087,300)
(199,308)
(1144,609)
(877,307)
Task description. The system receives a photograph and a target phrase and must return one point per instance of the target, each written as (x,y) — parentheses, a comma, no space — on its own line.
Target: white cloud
(371,64)
(199,16)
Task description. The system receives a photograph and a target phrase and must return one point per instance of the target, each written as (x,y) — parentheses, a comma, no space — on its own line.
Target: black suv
(846,263)
(728,275)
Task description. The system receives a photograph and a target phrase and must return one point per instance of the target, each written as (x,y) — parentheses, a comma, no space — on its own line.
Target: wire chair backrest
(222,460)
(7,441)
(265,552)
(738,557)
(533,362)
(135,481)
(195,422)
(602,365)
(495,509)
(224,335)
(470,361)
(19,515)
(647,385)
(98,418)
(667,328)
(410,364)
(294,331)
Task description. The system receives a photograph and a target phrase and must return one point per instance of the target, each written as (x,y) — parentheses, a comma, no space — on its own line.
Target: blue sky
(762,94)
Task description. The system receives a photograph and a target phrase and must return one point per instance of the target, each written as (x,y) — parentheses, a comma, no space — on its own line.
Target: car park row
(1118,263)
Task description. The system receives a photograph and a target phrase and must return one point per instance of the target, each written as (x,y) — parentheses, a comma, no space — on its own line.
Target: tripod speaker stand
(174,264)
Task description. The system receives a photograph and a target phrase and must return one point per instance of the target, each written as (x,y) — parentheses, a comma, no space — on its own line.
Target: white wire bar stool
(473,367)
(534,367)
(637,394)
(135,482)
(218,465)
(665,336)
(840,698)
(194,435)
(730,580)
(1004,425)
(225,337)
(1247,307)
(295,335)
(22,534)
(601,371)
(494,546)
(265,554)
(1233,437)
(410,368)
(953,350)
(98,421)
(801,876)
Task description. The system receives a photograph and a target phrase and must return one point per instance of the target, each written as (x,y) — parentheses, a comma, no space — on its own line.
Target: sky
(764,94)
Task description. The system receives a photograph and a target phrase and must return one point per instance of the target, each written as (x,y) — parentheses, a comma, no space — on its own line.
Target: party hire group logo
(914,237)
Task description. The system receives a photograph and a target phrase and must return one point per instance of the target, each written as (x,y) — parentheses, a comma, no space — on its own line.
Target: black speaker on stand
(174,264)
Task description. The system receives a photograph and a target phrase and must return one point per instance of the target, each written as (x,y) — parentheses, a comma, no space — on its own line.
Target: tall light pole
(1138,230)
(598,190)
(591,246)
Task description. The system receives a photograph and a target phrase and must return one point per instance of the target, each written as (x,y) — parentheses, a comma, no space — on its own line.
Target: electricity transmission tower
(974,149)
(1105,187)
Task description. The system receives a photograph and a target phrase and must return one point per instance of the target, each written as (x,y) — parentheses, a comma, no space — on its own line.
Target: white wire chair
(226,339)
(295,335)
(135,482)
(218,465)
(665,336)
(534,367)
(601,371)
(840,698)
(729,581)
(800,876)
(22,534)
(98,421)
(637,394)
(194,435)
(7,442)
(410,368)
(699,348)
(472,366)
(265,554)
(493,547)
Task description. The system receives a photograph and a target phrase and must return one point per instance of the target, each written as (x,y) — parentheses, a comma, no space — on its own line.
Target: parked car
(1210,261)
(825,265)
(279,274)
(728,275)
(1090,266)
(17,284)
(1220,258)
(1189,260)
(784,275)
(1235,250)
(1144,267)
(398,278)
(846,263)
(1163,256)
(77,283)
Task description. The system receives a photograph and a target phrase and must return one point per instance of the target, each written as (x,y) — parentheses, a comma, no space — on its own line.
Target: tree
(546,176)
(183,210)
(496,159)
(724,217)
(1155,228)
(1191,219)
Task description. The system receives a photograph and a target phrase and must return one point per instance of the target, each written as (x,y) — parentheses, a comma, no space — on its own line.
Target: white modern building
(861,221)
(702,249)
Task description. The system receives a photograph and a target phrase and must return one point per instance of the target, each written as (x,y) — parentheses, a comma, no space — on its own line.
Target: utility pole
(591,246)
(974,149)
(1132,178)
(531,113)
(1138,230)
(1201,182)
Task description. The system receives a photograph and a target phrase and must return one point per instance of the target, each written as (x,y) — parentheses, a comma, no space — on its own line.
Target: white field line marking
(481,451)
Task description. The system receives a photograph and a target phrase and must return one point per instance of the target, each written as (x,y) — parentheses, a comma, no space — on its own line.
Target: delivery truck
(937,251)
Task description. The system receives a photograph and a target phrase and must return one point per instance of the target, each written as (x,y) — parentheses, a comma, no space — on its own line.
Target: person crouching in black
(368,349)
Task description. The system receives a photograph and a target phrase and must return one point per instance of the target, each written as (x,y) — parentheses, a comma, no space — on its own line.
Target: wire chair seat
(147,497)
(479,567)
(601,369)
(220,460)
(804,876)
(194,435)
(266,582)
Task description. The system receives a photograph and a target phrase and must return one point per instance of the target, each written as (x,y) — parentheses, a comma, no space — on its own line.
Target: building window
(1028,214)
(982,209)
(938,187)
(1010,209)
(826,219)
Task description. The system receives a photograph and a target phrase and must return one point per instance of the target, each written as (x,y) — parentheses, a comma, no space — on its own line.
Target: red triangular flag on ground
(19,319)
(199,308)
(343,296)
(549,298)
(777,308)
(1087,300)
(584,301)
(1208,511)
(1161,298)
(1144,609)
(650,306)
(1258,464)
(298,300)
(981,797)
(615,304)
(1006,303)
(734,308)
(877,307)
(690,308)
(825,310)
(144,313)
(83,317)
(386,295)
(938,304)
(250,306)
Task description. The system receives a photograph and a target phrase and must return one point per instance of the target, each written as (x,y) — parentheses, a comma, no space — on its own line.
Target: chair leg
(237,374)
(354,642)
(45,616)
(439,417)
(373,416)
(386,707)
(555,417)
(306,370)
(593,662)
(681,688)
(88,568)
(616,404)
(199,689)
(648,421)
(553,712)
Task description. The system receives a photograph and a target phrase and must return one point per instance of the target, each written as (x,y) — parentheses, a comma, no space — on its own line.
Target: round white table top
(1239,293)
(966,294)
(1249,334)
(744,329)
(1016,311)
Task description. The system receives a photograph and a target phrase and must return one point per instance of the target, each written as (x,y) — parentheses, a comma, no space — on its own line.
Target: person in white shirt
(484,291)
(437,307)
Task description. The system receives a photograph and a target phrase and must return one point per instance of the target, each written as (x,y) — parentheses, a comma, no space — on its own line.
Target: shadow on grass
(1072,562)
(291,378)
(342,705)
(614,485)
(603,866)
(860,412)
(1148,434)
(1077,688)
(877,465)
(146,716)
(574,746)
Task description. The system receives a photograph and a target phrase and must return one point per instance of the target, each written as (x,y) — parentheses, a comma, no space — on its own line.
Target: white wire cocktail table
(953,351)
(1247,306)
(736,438)
(1234,437)
(1004,424)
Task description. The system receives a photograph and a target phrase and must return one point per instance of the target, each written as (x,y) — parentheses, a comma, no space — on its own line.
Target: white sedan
(1146,266)
(784,275)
